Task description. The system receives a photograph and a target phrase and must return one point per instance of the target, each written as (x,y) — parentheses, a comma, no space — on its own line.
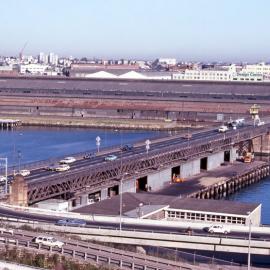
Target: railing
(96,253)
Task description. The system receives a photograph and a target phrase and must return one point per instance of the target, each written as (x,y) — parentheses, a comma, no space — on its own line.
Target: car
(24,172)
(127,147)
(187,136)
(71,222)
(261,123)
(218,229)
(52,167)
(110,158)
(62,168)
(223,129)
(2,178)
(67,160)
(89,155)
(48,241)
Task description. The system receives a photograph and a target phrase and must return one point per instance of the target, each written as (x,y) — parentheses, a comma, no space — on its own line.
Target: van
(48,241)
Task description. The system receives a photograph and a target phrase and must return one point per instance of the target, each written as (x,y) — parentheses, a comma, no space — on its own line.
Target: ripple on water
(256,193)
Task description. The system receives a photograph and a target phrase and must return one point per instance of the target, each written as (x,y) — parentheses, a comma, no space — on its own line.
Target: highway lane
(139,151)
(130,227)
(99,159)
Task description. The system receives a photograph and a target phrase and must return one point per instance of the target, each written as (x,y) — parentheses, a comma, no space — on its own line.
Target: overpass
(204,150)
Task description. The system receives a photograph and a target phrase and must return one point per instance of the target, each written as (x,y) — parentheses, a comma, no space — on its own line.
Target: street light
(5,164)
(121,200)
(249,239)
(147,145)
(98,143)
(19,159)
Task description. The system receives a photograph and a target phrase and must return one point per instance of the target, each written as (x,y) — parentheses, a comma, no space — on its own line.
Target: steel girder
(98,175)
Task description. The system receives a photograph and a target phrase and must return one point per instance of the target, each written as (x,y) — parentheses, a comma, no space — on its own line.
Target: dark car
(89,155)
(127,147)
(71,222)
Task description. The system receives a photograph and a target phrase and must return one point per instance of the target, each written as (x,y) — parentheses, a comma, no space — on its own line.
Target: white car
(62,168)
(67,160)
(2,178)
(218,229)
(48,241)
(261,123)
(223,129)
(24,172)
(110,158)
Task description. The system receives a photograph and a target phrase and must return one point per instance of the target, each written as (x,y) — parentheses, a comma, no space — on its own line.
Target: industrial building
(163,207)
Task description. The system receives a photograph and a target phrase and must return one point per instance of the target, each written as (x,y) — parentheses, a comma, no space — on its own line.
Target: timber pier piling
(233,184)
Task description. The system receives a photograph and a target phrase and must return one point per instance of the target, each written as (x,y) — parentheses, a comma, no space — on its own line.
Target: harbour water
(256,193)
(29,144)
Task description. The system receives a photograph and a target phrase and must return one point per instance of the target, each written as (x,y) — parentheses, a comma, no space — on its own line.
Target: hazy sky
(232,30)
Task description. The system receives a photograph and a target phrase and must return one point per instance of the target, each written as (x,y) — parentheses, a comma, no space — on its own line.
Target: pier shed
(214,211)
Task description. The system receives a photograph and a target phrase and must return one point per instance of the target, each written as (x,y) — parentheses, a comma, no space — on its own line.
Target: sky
(189,30)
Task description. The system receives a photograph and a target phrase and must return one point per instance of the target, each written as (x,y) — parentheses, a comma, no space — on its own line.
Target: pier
(9,123)
(234,184)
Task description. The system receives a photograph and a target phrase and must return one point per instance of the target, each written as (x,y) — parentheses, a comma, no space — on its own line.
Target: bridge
(206,148)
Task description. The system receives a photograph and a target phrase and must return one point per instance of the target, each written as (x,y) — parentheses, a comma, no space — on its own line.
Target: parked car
(67,160)
(223,129)
(71,222)
(62,168)
(48,241)
(127,147)
(218,229)
(89,155)
(110,158)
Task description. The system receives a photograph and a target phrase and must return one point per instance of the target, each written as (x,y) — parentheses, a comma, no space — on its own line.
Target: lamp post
(19,159)
(98,139)
(249,239)
(147,145)
(121,204)
(5,164)
(121,200)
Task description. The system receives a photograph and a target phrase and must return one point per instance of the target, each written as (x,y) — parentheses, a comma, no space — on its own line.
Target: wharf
(219,182)
(110,123)
(9,123)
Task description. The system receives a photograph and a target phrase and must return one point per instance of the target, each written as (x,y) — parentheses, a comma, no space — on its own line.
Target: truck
(248,157)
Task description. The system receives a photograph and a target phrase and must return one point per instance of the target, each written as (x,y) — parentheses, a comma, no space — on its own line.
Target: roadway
(181,229)
(41,174)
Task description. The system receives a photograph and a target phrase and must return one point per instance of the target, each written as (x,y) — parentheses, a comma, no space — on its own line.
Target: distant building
(206,74)
(33,69)
(167,61)
(53,59)
(260,68)
(42,58)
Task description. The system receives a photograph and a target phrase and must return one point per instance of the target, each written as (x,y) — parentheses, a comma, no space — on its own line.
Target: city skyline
(187,30)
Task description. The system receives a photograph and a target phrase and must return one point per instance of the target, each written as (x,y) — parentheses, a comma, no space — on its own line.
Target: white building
(43,58)
(53,59)
(167,61)
(33,69)
(260,68)
(204,75)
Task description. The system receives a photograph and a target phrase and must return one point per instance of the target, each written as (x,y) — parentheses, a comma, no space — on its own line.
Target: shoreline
(104,123)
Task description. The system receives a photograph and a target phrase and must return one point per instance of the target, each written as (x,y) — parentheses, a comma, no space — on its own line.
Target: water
(256,193)
(29,144)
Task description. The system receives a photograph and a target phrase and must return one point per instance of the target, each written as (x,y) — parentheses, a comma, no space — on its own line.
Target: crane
(21,52)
